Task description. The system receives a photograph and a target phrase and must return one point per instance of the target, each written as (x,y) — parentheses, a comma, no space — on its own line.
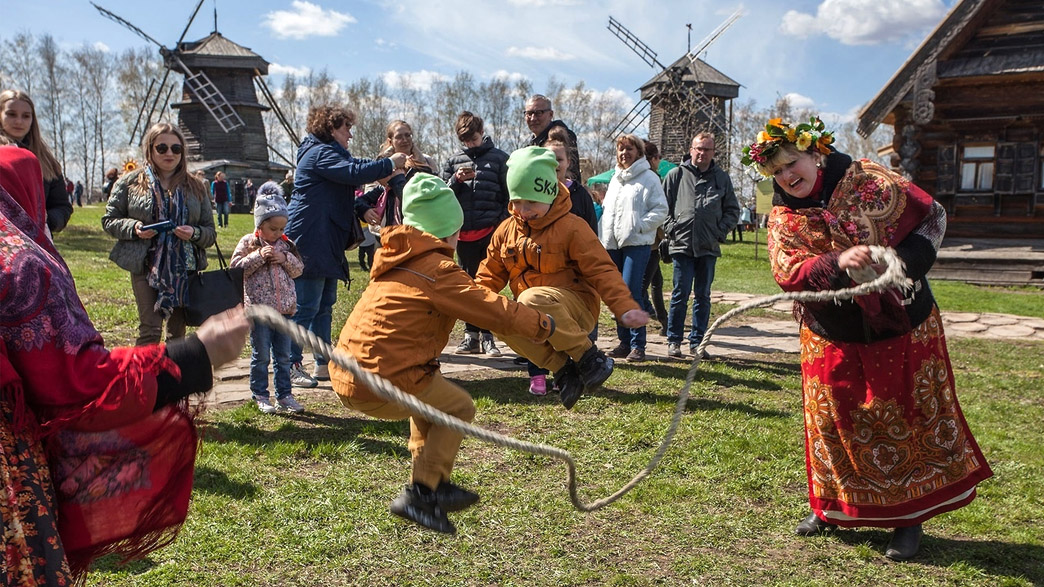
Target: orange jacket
(558,249)
(403,319)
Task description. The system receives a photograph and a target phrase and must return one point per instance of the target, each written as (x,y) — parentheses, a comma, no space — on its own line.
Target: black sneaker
(594,368)
(453,498)
(419,504)
(570,384)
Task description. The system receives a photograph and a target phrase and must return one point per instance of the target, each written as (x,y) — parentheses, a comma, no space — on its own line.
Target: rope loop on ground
(893,276)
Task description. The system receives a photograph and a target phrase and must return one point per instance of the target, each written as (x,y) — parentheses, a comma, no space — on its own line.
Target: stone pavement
(754,336)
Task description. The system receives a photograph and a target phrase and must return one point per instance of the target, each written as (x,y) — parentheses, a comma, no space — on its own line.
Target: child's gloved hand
(634,318)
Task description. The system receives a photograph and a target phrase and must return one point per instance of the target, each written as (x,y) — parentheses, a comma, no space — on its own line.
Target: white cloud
(306,20)
(279,69)
(419,80)
(385,44)
(859,22)
(539,53)
(800,102)
(511,77)
(101,47)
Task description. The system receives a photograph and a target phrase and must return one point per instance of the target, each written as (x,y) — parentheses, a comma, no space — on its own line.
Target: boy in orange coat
(400,326)
(554,263)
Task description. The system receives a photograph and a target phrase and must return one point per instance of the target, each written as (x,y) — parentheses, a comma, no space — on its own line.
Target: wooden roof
(715,83)
(215,50)
(977,38)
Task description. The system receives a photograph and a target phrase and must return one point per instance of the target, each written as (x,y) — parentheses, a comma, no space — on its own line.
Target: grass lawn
(302,500)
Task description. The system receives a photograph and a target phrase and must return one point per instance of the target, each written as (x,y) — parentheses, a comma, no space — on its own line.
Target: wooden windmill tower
(681,100)
(218,111)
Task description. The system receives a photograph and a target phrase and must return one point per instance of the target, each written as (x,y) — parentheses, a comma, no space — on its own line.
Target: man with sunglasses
(540,118)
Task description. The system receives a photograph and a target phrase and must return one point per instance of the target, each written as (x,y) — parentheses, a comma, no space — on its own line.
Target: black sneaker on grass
(594,368)
(419,504)
(453,498)
(570,384)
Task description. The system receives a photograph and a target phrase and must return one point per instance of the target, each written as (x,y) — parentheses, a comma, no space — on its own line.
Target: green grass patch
(302,499)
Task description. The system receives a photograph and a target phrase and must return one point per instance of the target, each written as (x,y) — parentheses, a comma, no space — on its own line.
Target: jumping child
(401,324)
(554,263)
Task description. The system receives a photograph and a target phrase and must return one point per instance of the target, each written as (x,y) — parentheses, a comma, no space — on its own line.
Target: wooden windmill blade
(636,44)
(274,105)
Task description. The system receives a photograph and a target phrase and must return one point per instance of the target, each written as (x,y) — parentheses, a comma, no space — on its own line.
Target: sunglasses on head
(161,148)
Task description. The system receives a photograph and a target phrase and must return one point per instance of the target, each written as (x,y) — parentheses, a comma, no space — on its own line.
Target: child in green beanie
(399,327)
(554,263)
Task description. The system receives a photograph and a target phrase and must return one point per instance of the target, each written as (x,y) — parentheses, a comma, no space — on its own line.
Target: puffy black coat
(485,198)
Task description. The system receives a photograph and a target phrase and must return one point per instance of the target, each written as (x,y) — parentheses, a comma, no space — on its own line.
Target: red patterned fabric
(117,476)
(886,442)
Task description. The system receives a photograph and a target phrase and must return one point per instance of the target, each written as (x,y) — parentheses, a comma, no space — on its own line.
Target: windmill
(684,98)
(219,133)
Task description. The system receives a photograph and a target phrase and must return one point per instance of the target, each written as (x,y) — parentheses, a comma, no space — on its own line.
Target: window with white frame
(977,168)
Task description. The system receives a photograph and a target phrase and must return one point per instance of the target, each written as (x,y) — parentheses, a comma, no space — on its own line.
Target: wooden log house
(968,112)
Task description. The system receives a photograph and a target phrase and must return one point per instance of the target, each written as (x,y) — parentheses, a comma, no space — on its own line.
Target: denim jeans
(470,255)
(688,271)
(631,261)
(315,301)
(223,208)
(269,343)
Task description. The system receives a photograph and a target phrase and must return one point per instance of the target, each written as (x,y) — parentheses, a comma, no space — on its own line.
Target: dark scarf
(168,271)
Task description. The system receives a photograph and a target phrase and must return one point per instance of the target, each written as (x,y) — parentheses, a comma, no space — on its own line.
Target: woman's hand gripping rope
(893,276)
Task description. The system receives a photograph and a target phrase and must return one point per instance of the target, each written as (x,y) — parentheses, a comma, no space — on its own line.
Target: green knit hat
(428,205)
(531,175)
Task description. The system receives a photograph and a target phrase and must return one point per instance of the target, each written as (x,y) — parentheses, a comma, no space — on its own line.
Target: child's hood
(402,243)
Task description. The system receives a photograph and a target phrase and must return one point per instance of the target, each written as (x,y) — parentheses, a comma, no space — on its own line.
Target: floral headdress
(776,133)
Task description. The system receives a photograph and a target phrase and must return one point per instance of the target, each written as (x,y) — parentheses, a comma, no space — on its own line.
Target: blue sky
(830,55)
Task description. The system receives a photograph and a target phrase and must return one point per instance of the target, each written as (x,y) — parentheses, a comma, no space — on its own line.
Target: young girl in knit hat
(270,263)
(399,327)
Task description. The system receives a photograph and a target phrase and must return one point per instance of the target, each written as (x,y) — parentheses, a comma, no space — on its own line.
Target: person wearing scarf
(160,261)
(886,443)
(97,446)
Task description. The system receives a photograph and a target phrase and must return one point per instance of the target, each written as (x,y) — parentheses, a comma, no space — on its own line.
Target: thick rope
(893,276)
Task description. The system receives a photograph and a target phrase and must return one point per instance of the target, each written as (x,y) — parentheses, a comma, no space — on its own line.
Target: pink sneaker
(538,385)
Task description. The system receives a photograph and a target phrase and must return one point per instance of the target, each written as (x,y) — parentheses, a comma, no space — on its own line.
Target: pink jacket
(266,283)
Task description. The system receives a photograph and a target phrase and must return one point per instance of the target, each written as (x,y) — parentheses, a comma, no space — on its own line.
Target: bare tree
(19,62)
(53,90)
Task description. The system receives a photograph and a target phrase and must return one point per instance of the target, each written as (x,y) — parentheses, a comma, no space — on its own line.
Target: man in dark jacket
(540,118)
(478,177)
(702,210)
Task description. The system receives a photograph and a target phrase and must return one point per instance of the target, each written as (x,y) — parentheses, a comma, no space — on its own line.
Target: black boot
(453,498)
(419,504)
(594,368)
(813,525)
(905,543)
(570,384)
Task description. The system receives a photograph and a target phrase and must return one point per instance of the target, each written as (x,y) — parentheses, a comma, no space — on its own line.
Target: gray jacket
(702,210)
(128,205)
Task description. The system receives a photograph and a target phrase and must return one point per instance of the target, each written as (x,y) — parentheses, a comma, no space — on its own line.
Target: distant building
(968,112)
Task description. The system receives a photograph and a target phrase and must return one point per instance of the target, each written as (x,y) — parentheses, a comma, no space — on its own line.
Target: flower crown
(776,133)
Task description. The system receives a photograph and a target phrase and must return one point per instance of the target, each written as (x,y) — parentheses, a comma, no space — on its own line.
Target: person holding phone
(478,177)
(159,261)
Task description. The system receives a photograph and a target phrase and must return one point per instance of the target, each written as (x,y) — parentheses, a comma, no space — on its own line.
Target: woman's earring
(819,164)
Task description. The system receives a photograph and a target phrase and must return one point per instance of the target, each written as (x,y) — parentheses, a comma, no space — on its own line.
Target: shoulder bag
(213,292)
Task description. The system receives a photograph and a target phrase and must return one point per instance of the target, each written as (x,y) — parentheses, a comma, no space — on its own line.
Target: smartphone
(162,226)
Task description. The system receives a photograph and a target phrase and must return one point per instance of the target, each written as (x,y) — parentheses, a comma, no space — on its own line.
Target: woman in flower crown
(886,444)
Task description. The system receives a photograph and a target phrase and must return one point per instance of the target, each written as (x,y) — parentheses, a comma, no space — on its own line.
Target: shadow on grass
(313,430)
(214,481)
(992,557)
(86,240)
(114,564)
(505,390)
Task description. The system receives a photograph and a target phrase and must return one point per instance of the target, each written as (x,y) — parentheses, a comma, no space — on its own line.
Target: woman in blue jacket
(322,210)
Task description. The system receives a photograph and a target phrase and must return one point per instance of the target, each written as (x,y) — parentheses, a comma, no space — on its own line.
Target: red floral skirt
(886,444)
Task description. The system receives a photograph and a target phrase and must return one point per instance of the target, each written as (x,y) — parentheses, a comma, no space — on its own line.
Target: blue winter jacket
(322,207)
